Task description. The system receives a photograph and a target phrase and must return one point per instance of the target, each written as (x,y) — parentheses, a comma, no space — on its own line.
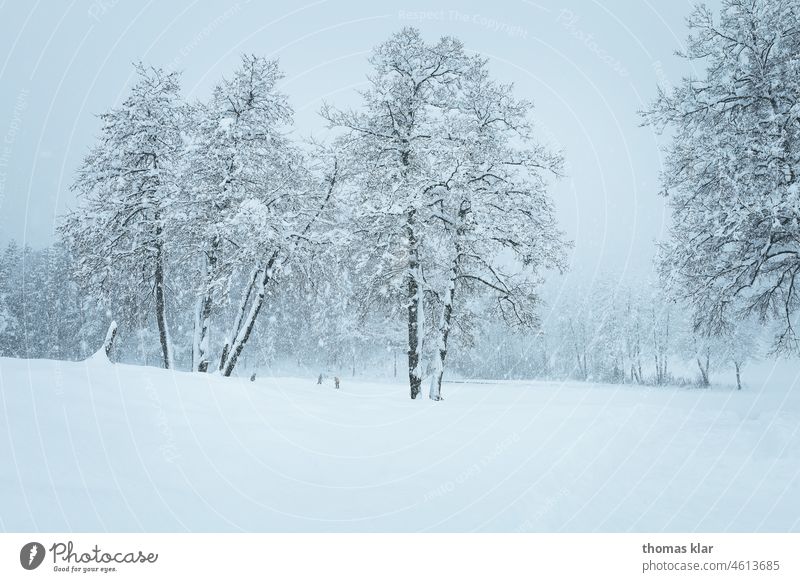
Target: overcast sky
(588,66)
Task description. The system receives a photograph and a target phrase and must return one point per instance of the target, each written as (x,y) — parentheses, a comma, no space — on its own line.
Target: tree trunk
(415,315)
(580,365)
(161,315)
(111,336)
(446,321)
(234,346)
(202,325)
(636,370)
(200,349)
(738,375)
(658,370)
(444,332)
(240,314)
(545,358)
(704,380)
(237,345)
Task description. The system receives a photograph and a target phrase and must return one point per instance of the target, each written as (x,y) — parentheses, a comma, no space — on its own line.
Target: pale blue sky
(588,66)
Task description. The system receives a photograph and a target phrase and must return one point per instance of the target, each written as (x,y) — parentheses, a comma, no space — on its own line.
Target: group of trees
(608,332)
(731,170)
(614,332)
(43,313)
(181,198)
(207,216)
(205,228)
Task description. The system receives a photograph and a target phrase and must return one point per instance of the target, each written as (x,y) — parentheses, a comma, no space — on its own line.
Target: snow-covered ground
(95,446)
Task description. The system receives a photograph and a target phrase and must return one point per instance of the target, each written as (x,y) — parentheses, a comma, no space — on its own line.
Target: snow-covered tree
(288,227)
(604,308)
(5,316)
(497,229)
(240,171)
(390,149)
(448,190)
(705,352)
(740,345)
(42,311)
(119,232)
(11,313)
(731,173)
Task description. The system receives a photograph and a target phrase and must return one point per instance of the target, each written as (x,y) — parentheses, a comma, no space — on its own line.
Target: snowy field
(95,446)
